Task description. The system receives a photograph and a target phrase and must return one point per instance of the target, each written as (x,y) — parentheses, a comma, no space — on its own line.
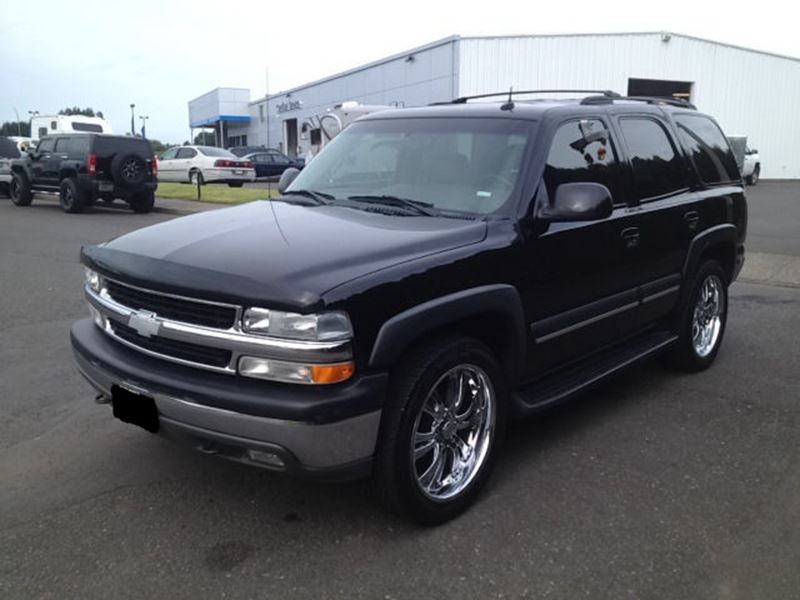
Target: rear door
(582,291)
(184,161)
(670,214)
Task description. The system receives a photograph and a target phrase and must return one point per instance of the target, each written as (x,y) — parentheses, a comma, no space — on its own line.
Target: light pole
(144,129)
(133,131)
(16,113)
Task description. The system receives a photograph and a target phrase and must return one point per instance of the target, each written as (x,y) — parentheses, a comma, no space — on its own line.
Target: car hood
(272,252)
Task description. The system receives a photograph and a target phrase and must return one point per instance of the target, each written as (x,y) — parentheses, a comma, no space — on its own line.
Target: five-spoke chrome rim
(709,311)
(453,432)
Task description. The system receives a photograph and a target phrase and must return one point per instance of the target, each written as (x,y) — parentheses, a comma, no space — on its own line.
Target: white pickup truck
(751,171)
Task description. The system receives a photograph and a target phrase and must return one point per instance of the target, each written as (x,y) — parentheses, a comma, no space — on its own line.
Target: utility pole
(133,129)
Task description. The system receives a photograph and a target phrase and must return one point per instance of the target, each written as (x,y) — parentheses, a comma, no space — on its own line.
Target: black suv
(83,168)
(432,273)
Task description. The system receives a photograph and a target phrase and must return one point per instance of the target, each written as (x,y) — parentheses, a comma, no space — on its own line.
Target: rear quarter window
(708,148)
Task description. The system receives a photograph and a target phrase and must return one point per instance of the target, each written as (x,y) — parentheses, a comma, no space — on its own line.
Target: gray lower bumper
(311,449)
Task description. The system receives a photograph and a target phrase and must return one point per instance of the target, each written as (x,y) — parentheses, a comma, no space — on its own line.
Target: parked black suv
(83,168)
(432,273)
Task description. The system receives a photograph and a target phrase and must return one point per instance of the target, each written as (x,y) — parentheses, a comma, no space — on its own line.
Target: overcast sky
(161,54)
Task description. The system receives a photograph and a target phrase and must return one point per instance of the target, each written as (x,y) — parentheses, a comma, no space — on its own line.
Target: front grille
(215,357)
(169,307)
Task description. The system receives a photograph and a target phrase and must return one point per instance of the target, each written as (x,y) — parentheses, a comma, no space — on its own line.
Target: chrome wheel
(453,432)
(709,312)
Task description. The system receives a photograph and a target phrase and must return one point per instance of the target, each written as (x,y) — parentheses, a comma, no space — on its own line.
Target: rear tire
(701,325)
(753,178)
(236,184)
(71,199)
(143,202)
(423,425)
(20,190)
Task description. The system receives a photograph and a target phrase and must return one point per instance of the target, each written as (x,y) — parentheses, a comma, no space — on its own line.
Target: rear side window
(710,152)
(657,168)
(78,146)
(572,160)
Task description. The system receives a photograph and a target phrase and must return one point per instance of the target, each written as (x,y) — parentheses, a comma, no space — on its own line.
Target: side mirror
(579,202)
(287,177)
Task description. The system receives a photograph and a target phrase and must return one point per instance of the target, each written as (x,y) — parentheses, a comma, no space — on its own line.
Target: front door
(582,277)
(41,162)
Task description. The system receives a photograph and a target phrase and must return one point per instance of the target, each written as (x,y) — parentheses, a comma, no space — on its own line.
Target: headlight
(322,327)
(92,279)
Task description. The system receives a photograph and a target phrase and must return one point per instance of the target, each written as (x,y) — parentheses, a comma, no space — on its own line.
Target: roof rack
(680,102)
(463,99)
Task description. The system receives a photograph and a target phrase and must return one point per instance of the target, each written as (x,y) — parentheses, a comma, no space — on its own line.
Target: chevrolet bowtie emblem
(145,323)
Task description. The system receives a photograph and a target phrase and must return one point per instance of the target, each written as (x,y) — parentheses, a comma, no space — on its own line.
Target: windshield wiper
(418,206)
(318,197)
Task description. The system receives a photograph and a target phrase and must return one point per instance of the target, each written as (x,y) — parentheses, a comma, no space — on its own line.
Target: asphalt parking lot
(659,485)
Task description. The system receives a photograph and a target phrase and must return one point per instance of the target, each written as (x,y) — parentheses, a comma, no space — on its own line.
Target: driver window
(46,145)
(573,158)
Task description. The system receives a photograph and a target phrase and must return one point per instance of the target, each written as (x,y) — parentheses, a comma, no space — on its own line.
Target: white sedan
(204,164)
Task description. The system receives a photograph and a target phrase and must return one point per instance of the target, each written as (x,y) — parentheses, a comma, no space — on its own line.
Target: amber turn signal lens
(332,373)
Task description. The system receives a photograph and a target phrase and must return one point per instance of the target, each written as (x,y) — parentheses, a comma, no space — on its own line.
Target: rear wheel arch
(491,314)
(717,243)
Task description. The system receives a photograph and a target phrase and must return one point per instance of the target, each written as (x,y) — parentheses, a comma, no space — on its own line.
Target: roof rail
(510,93)
(680,102)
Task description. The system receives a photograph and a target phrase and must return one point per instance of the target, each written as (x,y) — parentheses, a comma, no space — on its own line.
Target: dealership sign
(289,105)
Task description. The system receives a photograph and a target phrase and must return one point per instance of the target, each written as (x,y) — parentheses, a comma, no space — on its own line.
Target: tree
(205,138)
(158,146)
(77,110)
(23,128)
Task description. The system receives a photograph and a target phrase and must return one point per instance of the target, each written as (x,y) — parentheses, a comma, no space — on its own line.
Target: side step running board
(576,378)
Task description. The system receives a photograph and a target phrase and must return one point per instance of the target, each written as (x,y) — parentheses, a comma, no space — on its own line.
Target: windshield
(211,151)
(453,164)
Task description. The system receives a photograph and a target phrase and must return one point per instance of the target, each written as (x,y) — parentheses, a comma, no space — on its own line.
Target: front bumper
(327,433)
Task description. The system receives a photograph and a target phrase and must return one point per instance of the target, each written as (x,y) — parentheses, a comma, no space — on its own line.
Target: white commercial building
(751,93)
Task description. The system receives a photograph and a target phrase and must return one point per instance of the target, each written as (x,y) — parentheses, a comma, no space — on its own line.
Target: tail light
(232,164)
(154,165)
(91,164)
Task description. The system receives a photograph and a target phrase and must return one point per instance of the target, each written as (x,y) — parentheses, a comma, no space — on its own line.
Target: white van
(43,125)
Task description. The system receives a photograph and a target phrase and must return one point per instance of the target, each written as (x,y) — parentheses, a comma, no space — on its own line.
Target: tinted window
(61,145)
(186,153)
(46,145)
(708,148)
(8,149)
(278,158)
(657,168)
(78,146)
(107,145)
(571,159)
(91,127)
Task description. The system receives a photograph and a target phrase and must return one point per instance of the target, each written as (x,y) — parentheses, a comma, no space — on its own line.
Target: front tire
(703,318)
(20,190)
(70,197)
(441,430)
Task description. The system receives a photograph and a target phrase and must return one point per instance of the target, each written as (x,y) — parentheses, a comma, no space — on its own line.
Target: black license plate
(134,408)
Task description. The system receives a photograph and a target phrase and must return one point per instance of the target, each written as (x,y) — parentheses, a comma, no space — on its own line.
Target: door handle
(631,237)
(692,219)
